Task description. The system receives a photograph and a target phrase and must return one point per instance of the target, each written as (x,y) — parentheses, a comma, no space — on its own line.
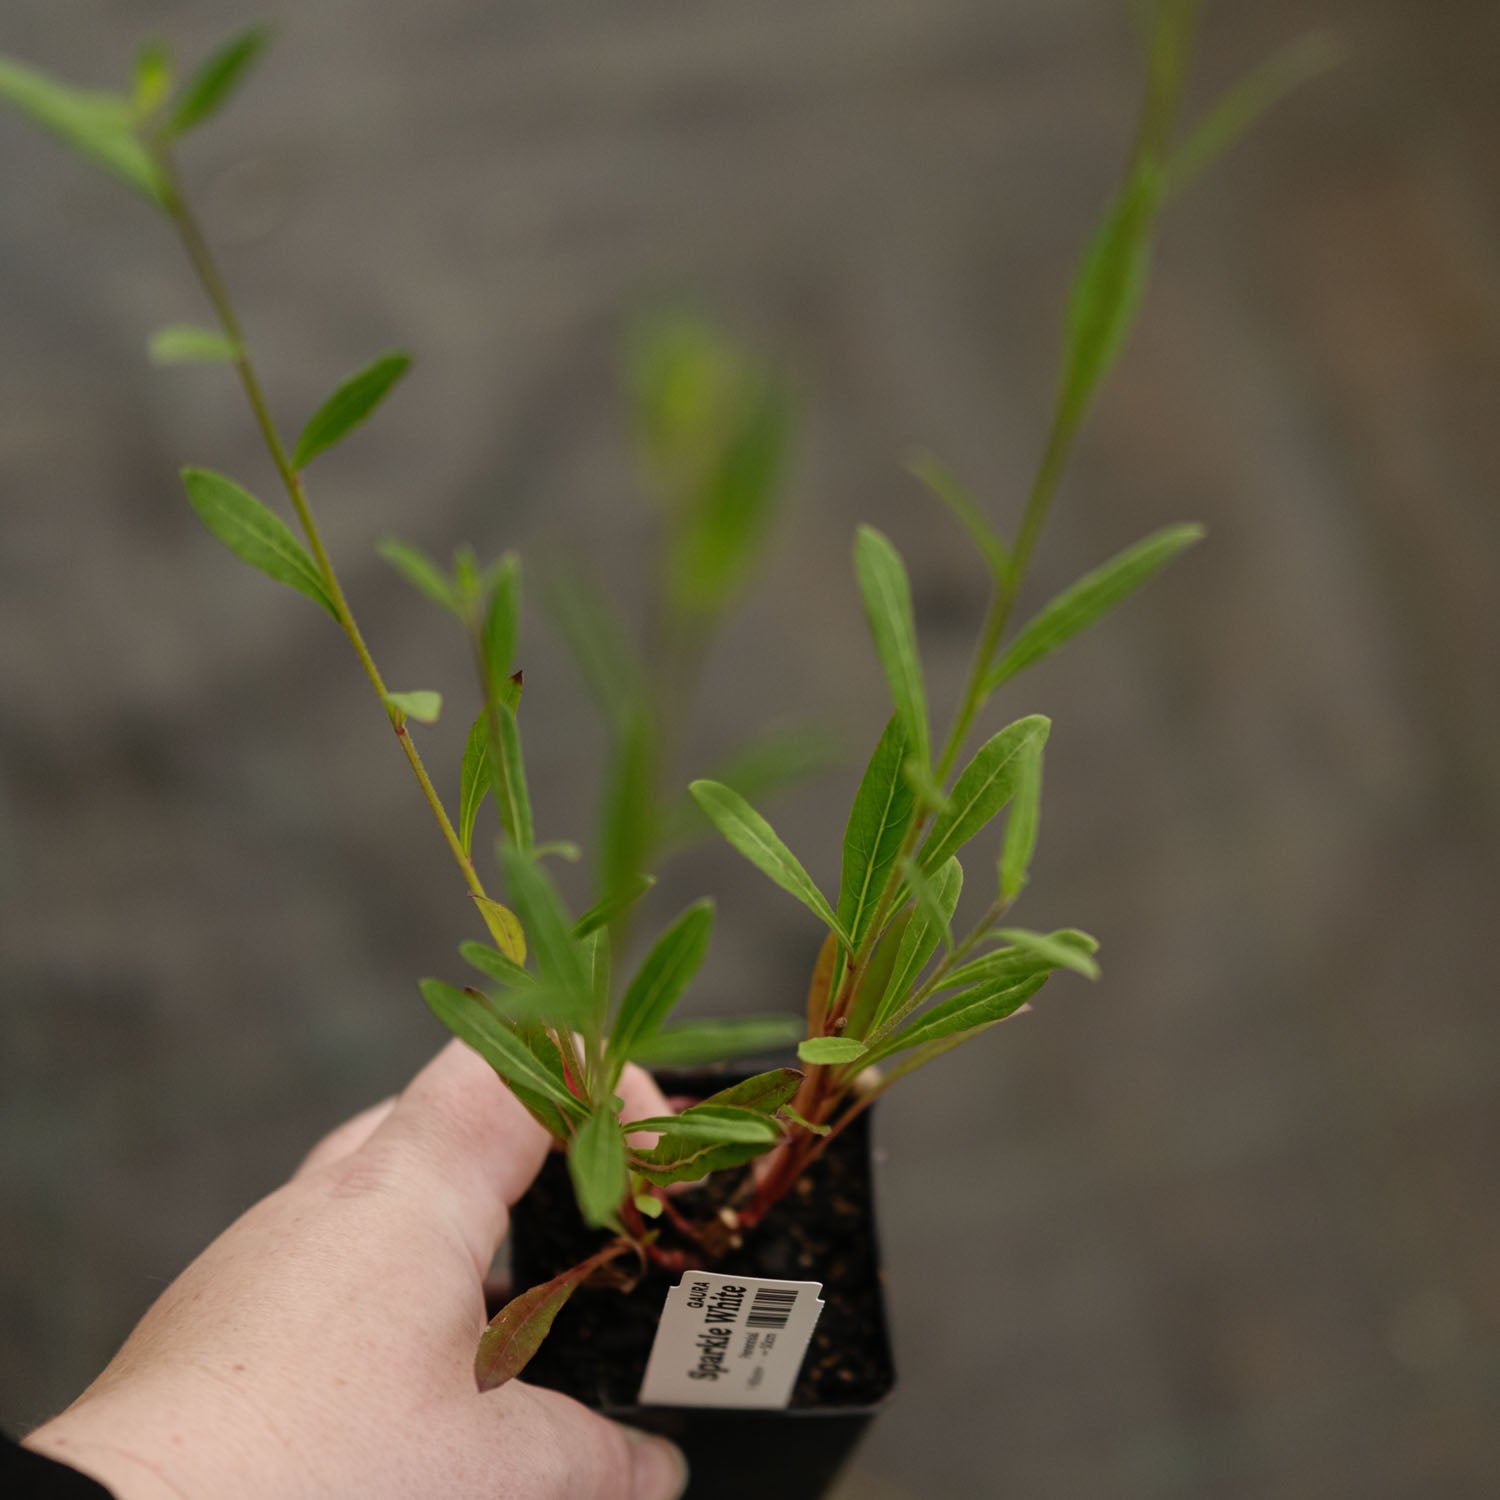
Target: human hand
(323,1345)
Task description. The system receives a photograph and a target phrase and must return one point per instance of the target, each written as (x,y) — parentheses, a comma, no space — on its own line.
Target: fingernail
(658,1470)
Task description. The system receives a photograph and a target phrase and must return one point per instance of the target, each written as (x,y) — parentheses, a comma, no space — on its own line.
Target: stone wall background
(1227,1224)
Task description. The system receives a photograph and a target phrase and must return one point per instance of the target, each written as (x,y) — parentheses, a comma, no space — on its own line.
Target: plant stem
(212,282)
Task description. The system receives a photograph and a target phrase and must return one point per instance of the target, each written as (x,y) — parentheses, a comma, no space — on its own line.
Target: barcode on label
(771,1308)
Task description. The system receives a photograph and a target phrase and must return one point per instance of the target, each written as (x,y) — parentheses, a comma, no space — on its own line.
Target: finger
(344,1140)
(596,1459)
(459,1139)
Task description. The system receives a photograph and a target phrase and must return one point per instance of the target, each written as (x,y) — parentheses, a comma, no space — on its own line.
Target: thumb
(462,1143)
(593,1458)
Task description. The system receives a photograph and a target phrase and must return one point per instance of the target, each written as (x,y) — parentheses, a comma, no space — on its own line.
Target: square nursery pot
(824,1230)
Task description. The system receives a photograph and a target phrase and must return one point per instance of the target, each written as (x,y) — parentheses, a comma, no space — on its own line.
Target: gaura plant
(895,986)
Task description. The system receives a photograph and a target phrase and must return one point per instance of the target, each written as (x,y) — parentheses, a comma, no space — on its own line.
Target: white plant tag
(734,1341)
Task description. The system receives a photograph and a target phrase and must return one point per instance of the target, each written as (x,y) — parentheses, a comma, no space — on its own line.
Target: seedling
(895,985)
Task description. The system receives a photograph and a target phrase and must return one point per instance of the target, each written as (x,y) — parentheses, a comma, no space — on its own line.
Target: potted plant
(691,1260)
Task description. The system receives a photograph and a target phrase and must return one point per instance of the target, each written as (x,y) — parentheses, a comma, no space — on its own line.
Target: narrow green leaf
(828,1050)
(564,849)
(649,1206)
(473,780)
(603,912)
(790,1115)
(748,832)
(420,572)
(254,534)
(518,1330)
(764,1092)
(152,80)
(473,1022)
(984,786)
(559,954)
(918,943)
(1108,290)
(502,622)
(876,979)
(681,1158)
(512,797)
(423,705)
(1059,954)
(1092,597)
(673,960)
(1021,825)
(887,598)
(781,760)
(965,1011)
(495,964)
(1257,93)
(185,344)
(627,821)
(596,1163)
(98,126)
(1015,963)
(968,515)
(931,798)
(690,1043)
(884,807)
(348,406)
(210,87)
(927,899)
(721,1123)
(505,928)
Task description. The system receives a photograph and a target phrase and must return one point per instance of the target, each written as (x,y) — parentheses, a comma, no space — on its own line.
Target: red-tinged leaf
(516,1332)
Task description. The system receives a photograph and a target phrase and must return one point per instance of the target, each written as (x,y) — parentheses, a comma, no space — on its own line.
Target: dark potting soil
(824,1230)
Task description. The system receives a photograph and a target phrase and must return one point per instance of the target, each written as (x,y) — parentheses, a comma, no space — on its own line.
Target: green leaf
(1015,963)
(512,797)
(185,344)
(603,912)
(1107,291)
(420,572)
(1239,109)
(1093,596)
(495,964)
(876,979)
(502,622)
(627,822)
(748,832)
(98,126)
(210,87)
(828,1050)
(348,406)
(254,534)
(887,598)
(721,1123)
(928,901)
(470,1019)
(985,785)
(596,1163)
(564,849)
(558,953)
(1021,826)
(690,1043)
(152,80)
(968,1010)
(676,956)
(518,1330)
(681,1158)
(918,943)
(423,705)
(649,1206)
(790,1115)
(973,520)
(473,780)
(781,760)
(884,807)
(505,928)
(1060,954)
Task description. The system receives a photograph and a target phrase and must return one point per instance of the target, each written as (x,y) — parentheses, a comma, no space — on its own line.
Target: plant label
(731,1341)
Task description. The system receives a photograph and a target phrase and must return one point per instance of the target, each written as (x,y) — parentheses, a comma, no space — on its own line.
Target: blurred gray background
(1227,1224)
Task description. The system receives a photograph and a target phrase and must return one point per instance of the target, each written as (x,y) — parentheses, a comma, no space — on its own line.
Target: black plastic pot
(825,1231)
